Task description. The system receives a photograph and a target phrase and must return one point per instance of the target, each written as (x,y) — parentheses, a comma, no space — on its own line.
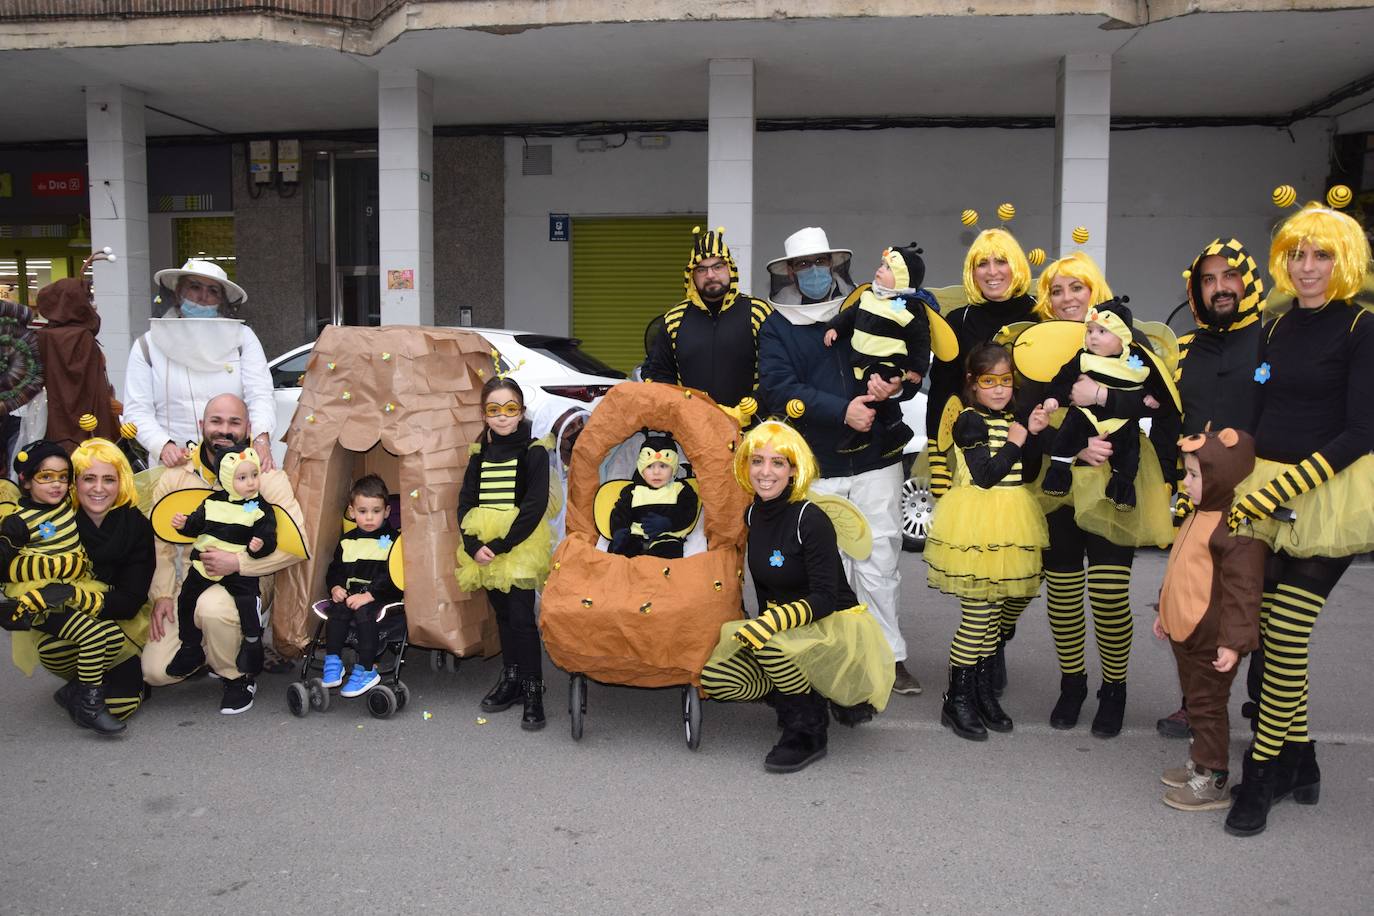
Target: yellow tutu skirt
(962,559)
(525,565)
(844,655)
(1335,519)
(1149,524)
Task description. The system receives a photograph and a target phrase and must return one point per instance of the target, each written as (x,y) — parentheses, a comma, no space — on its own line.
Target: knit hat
(657,447)
(29,458)
(908,268)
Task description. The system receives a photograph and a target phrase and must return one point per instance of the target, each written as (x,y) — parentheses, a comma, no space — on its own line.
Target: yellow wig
(1080,267)
(1331,231)
(1000,244)
(94,450)
(787,442)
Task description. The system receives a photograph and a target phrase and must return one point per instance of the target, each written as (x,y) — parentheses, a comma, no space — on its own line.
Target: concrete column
(118,166)
(405,163)
(730,162)
(1082,131)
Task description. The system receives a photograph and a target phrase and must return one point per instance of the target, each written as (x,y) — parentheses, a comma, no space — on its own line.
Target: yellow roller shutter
(625,271)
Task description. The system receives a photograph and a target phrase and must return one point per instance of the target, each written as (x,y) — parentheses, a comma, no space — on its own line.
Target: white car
(551,370)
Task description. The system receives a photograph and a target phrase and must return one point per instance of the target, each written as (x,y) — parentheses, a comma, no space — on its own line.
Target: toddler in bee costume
(237,520)
(655,513)
(48,576)
(507,547)
(986,537)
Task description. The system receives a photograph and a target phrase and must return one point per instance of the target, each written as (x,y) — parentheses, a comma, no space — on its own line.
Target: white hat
(808,241)
(170,277)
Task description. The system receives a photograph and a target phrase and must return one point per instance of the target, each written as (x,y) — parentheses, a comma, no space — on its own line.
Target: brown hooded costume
(74,365)
(1212,590)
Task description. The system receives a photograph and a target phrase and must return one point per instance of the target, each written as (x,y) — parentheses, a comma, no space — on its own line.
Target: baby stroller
(389,696)
(645,621)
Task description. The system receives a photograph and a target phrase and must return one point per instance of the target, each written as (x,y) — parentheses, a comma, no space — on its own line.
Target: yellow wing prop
(1162,341)
(944,433)
(9,493)
(610,491)
(943,342)
(396,564)
(851,528)
(1042,349)
(1166,374)
(185,502)
(949,297)
(1007,336)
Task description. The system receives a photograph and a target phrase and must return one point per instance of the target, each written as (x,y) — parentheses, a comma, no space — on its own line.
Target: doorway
(346,239)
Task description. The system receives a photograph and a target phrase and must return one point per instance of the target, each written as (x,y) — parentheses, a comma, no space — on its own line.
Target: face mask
(191,309)
(814,282)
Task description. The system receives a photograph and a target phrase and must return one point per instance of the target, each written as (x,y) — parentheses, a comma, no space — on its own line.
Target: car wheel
(917,507)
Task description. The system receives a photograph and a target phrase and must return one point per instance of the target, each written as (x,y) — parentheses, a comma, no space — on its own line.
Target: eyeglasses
(805,263)
(51,477)
(702,270)
(508,409)
(996,381)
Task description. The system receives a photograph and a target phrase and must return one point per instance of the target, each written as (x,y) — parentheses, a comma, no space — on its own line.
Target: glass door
(347,239)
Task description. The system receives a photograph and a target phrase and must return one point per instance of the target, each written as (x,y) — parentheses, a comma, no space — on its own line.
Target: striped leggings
(1108,581)
(78,646)
(1295,591)
(750,674)
(982,624)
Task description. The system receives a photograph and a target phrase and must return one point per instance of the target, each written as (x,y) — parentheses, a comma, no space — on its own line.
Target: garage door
(625,272)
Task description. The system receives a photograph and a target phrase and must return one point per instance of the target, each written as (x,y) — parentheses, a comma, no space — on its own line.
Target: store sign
(559,226)
(58,184)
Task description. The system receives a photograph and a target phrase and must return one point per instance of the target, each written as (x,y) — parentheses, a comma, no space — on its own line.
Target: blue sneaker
(360,681)
(333,671)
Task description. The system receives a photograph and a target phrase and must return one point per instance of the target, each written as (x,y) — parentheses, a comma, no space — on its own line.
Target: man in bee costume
(710,339)
(655,513)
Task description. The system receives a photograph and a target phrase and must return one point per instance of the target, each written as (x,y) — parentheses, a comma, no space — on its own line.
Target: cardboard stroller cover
(414,392)
(645,621)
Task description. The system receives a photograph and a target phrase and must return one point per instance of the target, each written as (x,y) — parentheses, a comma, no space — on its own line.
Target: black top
(973,325)
(713,351)
(366,567)
(531,485)
(977,431)
(1319,392)
(1216,378)
(228,518)
(793,556)
(122,553)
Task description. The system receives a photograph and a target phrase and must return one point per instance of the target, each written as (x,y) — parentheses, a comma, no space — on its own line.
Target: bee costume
(653,521)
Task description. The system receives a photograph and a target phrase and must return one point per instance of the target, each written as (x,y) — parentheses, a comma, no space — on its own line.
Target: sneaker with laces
(333,671)
(1177,777)
(905,682)
(1206,790)
(238,696)
(360,681)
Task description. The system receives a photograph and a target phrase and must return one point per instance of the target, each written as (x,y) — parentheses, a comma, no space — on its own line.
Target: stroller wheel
(402,695)
(381,702)
(577,703)
(691,716)
(453,661)
(298,700)
(319,694)
(436,659)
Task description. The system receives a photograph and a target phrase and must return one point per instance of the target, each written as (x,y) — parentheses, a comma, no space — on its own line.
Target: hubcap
(917,507)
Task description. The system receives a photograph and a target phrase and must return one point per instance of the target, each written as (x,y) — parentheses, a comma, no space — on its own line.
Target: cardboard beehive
(401,402)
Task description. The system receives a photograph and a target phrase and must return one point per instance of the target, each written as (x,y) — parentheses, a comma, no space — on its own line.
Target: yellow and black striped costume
(987,534)
(675,503)
(502,505)
(228,522)
(361,564)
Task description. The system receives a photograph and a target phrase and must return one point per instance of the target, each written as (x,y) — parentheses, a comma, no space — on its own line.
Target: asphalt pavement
(435,811)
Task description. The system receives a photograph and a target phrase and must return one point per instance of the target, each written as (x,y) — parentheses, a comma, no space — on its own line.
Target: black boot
(1250,810)
(1121,491)
(65,696)
(989,710)
(250,657)
(852,715)
(1058,479)
(188,660)
(1073,690)
(88,704)
(960,711)
(1111,709)
(998,660)
(804,733)
(506,691)
(1298,774)
(533,719)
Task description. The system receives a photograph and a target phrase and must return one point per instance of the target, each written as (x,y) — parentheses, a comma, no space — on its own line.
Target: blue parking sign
(560,227)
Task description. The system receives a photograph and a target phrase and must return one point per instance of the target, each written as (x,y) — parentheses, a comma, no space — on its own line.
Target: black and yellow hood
(710,244)
(1248,311)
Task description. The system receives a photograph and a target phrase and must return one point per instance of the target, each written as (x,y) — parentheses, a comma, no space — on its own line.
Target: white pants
(876,581)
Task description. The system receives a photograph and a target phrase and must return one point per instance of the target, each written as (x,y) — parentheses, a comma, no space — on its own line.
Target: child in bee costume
(888,332)
(1106,358)
(233,519)
(655,513)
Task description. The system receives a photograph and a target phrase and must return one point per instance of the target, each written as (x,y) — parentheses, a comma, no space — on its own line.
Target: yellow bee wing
(943,342)
(851,528)
(606,496)
(177,502)
(1042,349)
(9,493)
(944,433)
(1007,336)
(396,564)
(1168,377)
(949,297)
(144,482)
(288,535)
(1162,341)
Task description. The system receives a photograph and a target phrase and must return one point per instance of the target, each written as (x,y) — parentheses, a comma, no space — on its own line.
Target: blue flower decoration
(1134,362)
(1263,373)
(898,304)
(775,559)
(384,542)
(47,531)
(250,506)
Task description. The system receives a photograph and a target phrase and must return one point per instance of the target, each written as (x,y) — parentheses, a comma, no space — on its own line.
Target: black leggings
(364,620)
(519,632)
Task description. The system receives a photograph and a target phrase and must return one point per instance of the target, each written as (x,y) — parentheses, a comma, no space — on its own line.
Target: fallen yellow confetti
(481,721)
(428,715)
